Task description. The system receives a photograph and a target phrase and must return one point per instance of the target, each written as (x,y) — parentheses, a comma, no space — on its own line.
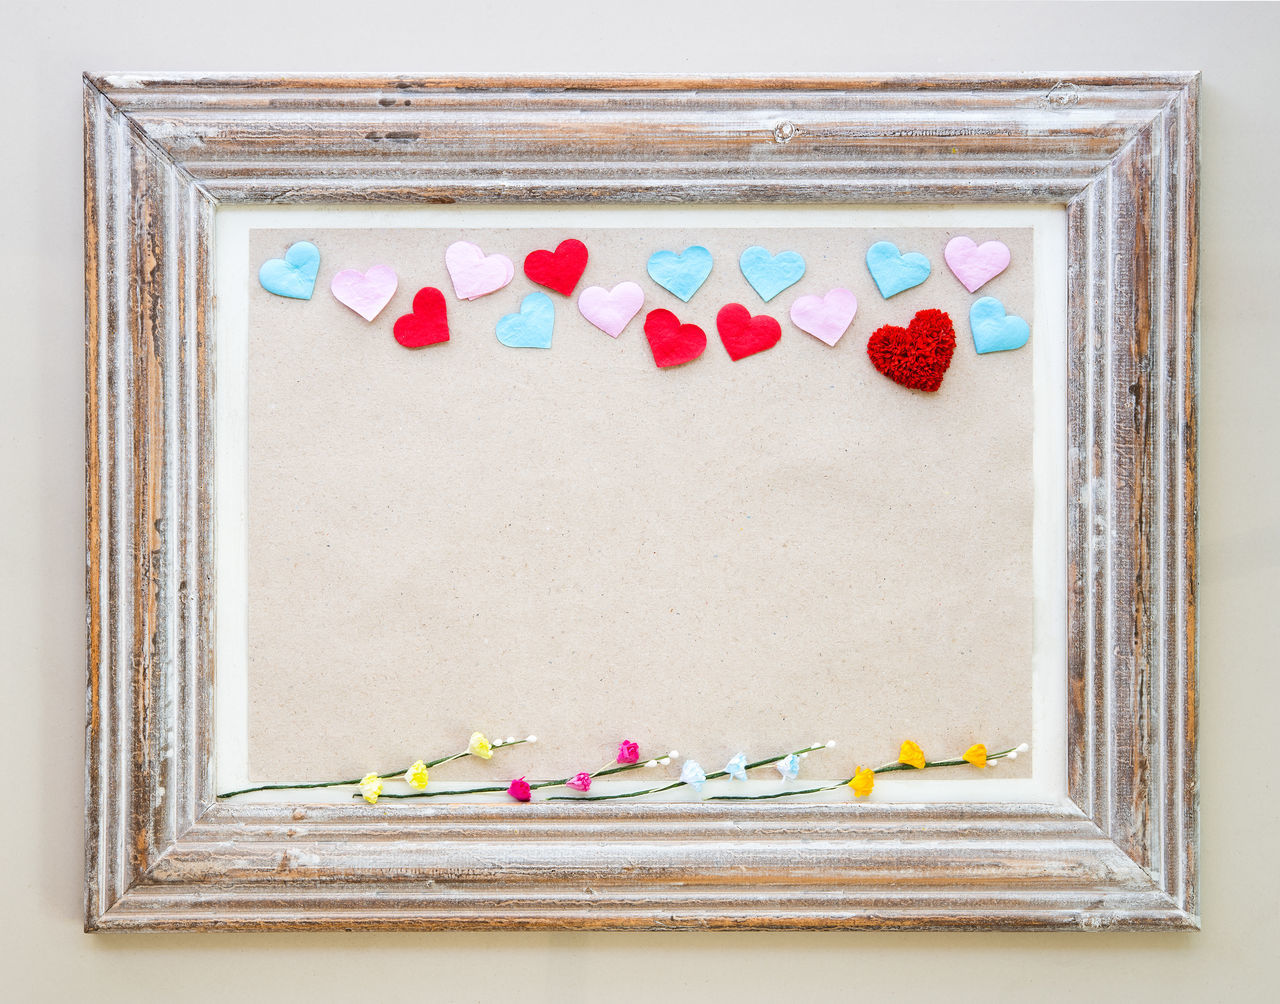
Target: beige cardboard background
(573,543)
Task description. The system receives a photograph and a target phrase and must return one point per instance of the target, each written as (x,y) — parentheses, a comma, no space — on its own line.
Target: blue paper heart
(993,329)
(682,274)
(769,274)
(532,327)
(894,271)
(294,275)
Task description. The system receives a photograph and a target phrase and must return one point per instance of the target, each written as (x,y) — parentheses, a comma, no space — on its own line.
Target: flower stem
(533,785)
(677,784)
(785,793)
(882,769)
(356,780)
(433,794)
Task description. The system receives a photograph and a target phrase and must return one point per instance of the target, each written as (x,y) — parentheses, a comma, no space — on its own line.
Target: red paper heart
(673,343)
(915,356)
(427,324)
(559,269)
(744,335)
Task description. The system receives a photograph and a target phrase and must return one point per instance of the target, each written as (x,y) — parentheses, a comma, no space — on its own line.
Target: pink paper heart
(474,273)
(611,310)
(825,317)
(365,292)
(975,264)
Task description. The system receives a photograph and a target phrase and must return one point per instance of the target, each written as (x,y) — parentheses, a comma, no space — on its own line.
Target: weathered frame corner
(1120,151)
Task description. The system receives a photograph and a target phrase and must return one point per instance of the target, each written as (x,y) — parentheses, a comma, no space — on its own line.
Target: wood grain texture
(1121,151)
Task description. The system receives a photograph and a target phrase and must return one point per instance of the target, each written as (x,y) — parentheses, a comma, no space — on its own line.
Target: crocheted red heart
(427,325)
(559,269)
(915,356)
(744,335)
(673,343)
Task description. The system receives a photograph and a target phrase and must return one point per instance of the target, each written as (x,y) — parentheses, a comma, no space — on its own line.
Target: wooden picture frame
(162,152)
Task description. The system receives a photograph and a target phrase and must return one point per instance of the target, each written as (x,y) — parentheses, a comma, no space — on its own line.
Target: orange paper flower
(863,780)
(911,754)
(976,755)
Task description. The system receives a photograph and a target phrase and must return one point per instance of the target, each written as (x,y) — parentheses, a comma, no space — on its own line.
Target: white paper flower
(693,775)
(789,767)
(737,767)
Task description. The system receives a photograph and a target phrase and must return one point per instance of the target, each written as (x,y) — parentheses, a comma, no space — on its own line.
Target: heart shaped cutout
(531,328)
(827,317)
(993,329)
(769,274)
(681,274)
(475,274)
(365,292)
(975,264)
(671,342)
(611,310)
(744,335)
(429,322)
(918,355)
(294,275)
(559,269)
(894,271)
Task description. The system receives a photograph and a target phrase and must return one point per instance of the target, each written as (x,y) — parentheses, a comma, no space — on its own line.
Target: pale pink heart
(975,264)
(473,272)
(825,317)
(611,310)
(365,292)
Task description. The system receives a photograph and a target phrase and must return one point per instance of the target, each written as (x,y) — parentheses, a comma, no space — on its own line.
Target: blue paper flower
(789,767)
(693,775)
(737,767)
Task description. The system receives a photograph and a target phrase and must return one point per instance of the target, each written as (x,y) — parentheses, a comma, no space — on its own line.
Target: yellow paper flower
(976,755)
(371,788)
(863,780)
(416,776)
(911,754)
(479,746)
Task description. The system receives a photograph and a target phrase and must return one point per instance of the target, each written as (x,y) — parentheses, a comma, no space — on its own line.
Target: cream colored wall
(46,45)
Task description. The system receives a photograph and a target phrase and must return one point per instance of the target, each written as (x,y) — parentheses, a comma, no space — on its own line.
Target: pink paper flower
(580,782)
(628,752)
(519,790)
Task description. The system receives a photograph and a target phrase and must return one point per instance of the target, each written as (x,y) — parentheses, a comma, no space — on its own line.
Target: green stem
(882,769)
(888,768)
(533,785)
(785,793)
(433,794)
(677,784)
(356,780)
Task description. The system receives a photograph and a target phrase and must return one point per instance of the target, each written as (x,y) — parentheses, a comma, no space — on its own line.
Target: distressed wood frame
(162,152)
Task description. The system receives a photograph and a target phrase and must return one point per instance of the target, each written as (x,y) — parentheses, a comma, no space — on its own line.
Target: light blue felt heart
(294,275)
(993,329)
(532,327)
(682,274)
(769,274)
(894,271)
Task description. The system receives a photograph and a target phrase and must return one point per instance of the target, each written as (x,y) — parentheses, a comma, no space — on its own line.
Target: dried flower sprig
(477,746)
(910,758)
(417,775)
(521,789)
(691,775)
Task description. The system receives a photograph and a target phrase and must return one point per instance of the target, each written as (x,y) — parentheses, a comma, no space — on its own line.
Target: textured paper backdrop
(573,543)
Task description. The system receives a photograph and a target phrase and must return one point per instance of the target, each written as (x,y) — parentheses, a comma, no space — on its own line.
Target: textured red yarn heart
(559,269)
(744,335)
(915,356)
(673,343)
(427,325)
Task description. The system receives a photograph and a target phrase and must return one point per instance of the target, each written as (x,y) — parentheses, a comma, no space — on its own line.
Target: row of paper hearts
(475,274)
